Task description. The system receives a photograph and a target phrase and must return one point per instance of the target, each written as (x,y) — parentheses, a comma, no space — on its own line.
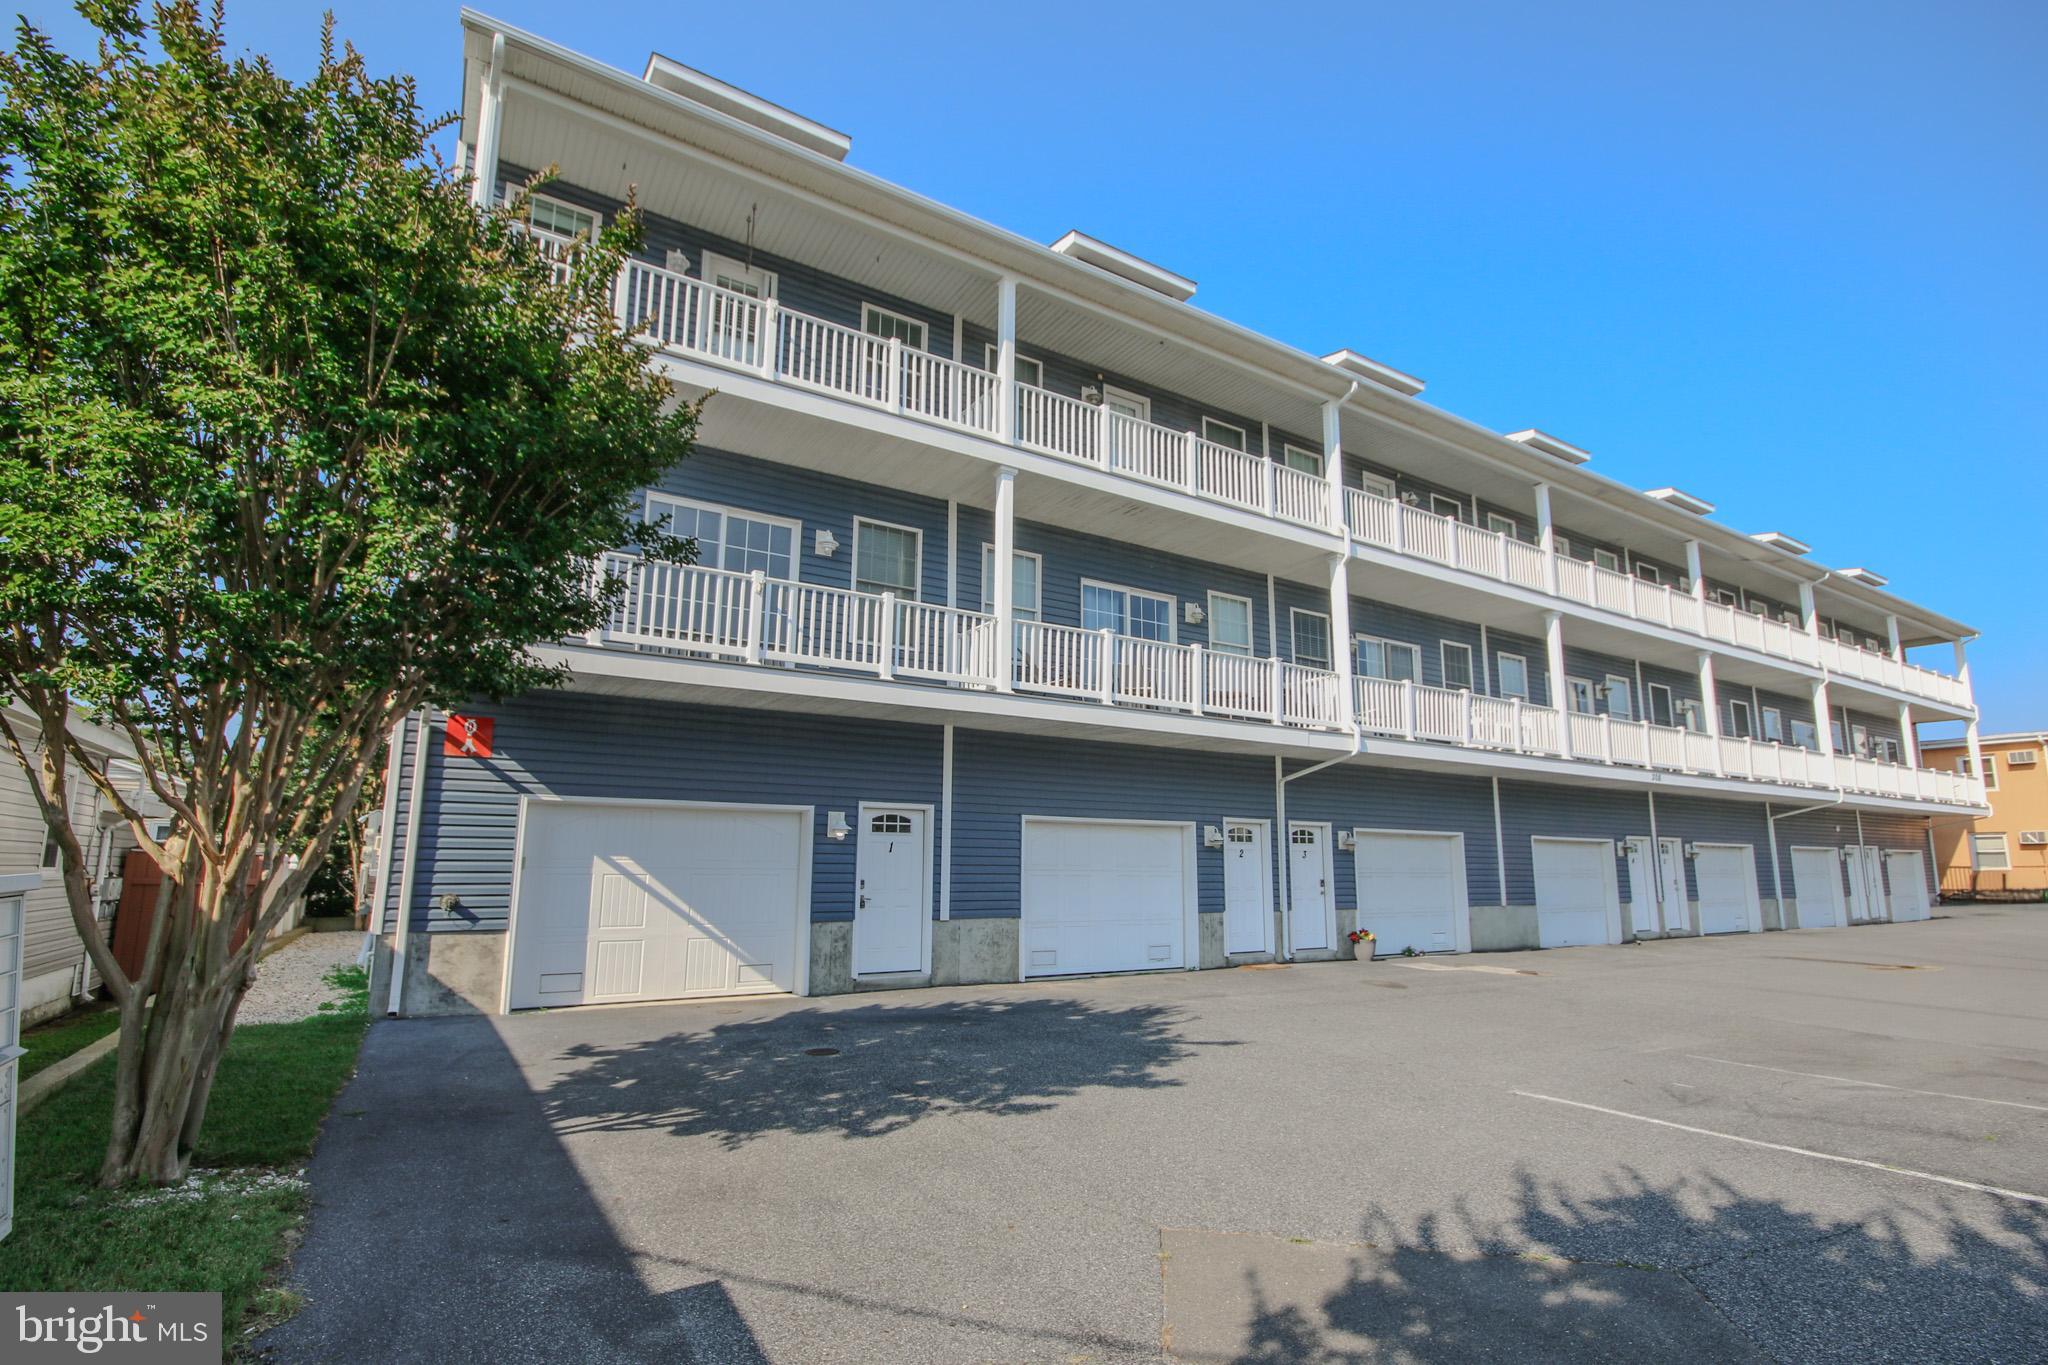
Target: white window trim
(1251,626)
(1991,772)
(2004,851)
(1606,559)
(991,358)
(924,330)
(1288,450)
(1294,615)
(988,580)
(1563,544)
(1503,525)
(1690,714)
(1574,688)
(1378,486)
(1501,657)
(1649,573)
(1739,707)
(596,218)
(1628,689)
(1443,655)
(715,264)
(1770,714)
(916,564)
(1172,616)
(1136,400)
(1217,424)
(726,510)
(1670,704)
(1457,512)
(1414,650)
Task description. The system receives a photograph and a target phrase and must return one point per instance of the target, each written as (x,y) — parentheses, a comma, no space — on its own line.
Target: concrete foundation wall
(445,974)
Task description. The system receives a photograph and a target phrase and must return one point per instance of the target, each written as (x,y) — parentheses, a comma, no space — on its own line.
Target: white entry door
(1866,884)
(1728,896)
(1817,888)
(1671,886)
(892,891)
(1643,891)
(1577,898)
(1308,886)
(1411,892)
(1106,895)
(1908,877)
(1247,875)
(659,901)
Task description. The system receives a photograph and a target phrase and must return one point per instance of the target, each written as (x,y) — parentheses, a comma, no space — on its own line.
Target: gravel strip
(288,984)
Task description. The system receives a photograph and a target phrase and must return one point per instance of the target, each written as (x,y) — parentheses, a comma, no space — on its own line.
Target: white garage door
(1817,887)
(1577,897)
(1105,896)
(1908,878)
(655,902)
(1728,898)
(1411,892)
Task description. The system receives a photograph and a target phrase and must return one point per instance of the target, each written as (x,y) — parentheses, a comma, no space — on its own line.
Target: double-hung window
(1377,485)
(1620,697)
(1774,725)
(1230,624)
(1448,508)
(1029,372)
(1501,525)
(886,558)
(1310,633)
(1513,672)
(1607,559)
(1649,573)
(1307,461)
(1222,434)
(1025,575)
(1126,611)
(1738,719)
(1580,693)
(1457,664)
(1990,852)
(729,539)
(1804,736)
(1393,660)
(1661,710)
(880,322)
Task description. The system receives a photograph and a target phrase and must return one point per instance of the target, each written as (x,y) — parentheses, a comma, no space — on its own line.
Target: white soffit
(1550,445)
(1682,500)
(1864,576)
(1778,540)
(1100,254)
(668,74)
(1370,370)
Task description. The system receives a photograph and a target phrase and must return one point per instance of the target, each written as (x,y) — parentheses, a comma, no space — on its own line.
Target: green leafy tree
(293,439)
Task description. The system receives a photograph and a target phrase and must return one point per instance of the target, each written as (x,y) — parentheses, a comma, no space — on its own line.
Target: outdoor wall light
(1691,849)
(1346,840)
(1212,837)
(835,825)
(825,545)
(1192,613)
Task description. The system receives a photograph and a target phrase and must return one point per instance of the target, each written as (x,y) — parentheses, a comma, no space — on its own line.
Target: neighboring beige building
(2007,850)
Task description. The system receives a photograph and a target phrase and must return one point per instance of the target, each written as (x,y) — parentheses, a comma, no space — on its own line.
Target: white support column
(1333,466)
(1006,574)
(1909,737)
(1553,652)
(1546,536)
(1006,358)
(1970,732)
(1340,626)
(490,117)
(1695,572)
(1809,612)
(1823,717)
(1891,631)
(1710,702)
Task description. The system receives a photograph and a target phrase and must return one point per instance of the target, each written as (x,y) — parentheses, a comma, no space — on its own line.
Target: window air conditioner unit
(2019,758)
(2034,836)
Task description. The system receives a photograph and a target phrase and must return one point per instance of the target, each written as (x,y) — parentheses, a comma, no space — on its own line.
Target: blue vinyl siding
(1595,668)
(1836,827)
(1499,642)
(1427,633)
(1288,597)
(999,779)
(582,746)
(399,781)
(818,502)
(1357,796)
(1531,810)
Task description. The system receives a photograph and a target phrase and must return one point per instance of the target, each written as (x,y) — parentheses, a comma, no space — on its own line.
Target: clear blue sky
(1793,258)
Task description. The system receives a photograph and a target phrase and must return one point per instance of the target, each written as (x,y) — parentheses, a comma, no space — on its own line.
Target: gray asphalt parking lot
(1822,1145)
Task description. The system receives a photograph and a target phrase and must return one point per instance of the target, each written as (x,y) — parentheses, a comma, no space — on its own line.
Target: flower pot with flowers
(1362,943)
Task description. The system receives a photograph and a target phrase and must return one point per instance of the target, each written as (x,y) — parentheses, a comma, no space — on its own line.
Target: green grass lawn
(227,1228)
(54,1042)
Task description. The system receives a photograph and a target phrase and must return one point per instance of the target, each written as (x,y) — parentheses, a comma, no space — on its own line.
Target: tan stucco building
(2006,850)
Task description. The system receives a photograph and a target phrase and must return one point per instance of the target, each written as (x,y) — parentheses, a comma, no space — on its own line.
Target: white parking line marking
(1877,1085)
(1796,1151)
(1448,967)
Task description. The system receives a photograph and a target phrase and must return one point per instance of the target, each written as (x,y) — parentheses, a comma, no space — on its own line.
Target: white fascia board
(1079,246)
(1682,500)
(1550,445)
(1864,576)
(1386,376)
(668,74)
(1778,540)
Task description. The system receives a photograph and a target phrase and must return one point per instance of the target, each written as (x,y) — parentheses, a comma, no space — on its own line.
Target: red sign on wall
(468,736)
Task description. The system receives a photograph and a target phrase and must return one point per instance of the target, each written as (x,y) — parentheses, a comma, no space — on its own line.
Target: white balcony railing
(752,618)
(676,313)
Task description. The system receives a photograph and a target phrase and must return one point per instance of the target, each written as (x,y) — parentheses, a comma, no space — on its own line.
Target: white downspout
(1771,829)
(1281,777)
(403,933)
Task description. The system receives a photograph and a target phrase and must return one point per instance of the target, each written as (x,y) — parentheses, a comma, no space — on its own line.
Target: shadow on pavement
(1694,1270)
(865,1071)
